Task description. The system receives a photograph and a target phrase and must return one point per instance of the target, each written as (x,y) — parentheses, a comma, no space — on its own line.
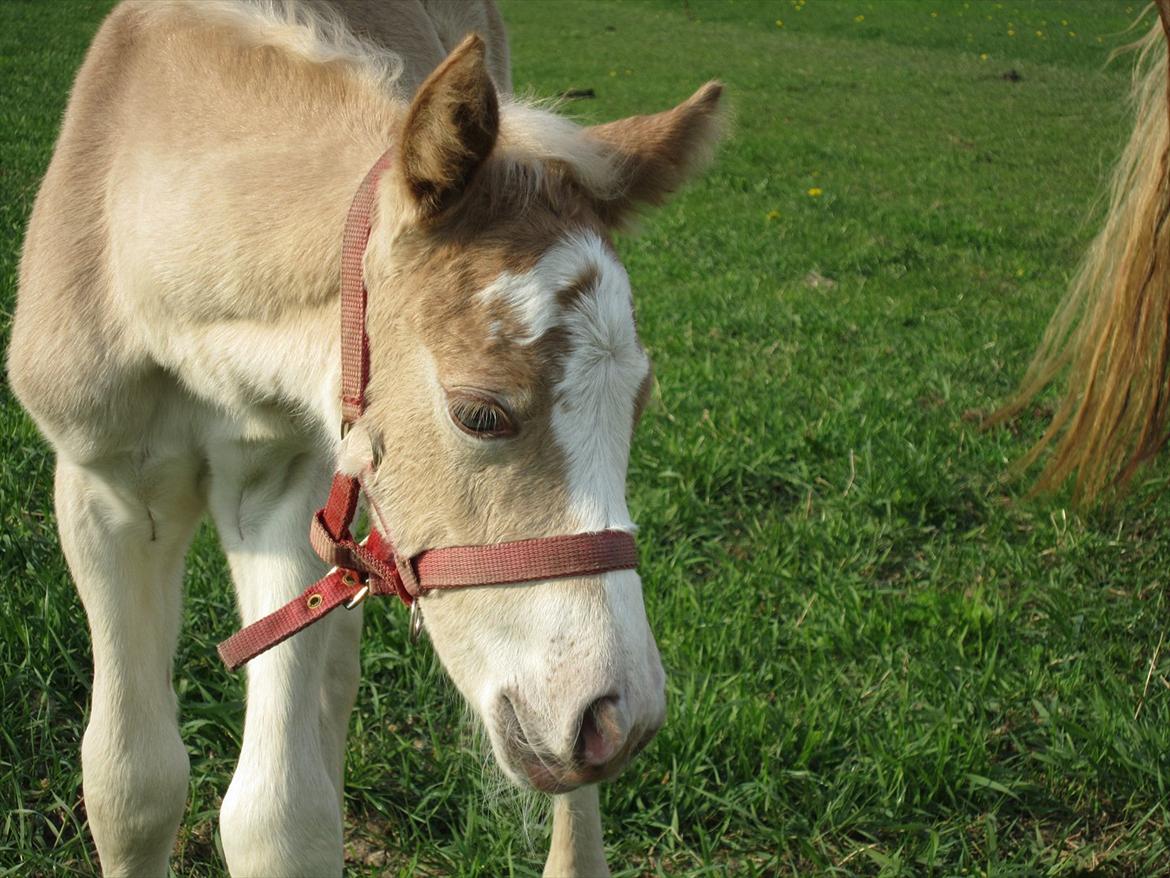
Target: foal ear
(657,154)
(450,128)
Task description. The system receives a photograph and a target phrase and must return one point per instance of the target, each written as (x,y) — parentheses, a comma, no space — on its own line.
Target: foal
(176,341)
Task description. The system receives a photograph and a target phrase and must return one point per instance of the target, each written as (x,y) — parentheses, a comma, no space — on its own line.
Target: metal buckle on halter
(416,621)
(362,593)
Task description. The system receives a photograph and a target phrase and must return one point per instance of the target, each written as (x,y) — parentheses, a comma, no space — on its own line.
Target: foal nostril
(603,732)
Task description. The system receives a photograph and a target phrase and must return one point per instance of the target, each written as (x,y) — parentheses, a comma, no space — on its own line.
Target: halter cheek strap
(373,566)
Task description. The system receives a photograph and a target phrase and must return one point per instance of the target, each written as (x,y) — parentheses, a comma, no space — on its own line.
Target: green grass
(882,660)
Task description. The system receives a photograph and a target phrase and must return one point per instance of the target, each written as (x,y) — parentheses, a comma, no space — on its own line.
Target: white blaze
(611,648)
(594,414)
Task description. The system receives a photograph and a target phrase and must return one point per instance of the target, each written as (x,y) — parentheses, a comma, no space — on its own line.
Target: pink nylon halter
(374,567)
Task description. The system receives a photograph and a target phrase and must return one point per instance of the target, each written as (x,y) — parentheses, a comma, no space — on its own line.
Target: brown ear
(450,128)
(658,153)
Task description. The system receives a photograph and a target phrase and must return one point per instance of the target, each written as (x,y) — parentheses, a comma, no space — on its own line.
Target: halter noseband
(373,566)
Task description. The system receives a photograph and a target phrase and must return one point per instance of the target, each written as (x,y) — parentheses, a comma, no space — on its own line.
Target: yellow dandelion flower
(1019,272)
(934,15)
(816,192)
(1011,33)
(1072,33)
(613,73)
(1039,34)
(982,56)
(779,23)
(772,215)
(859,18)
(1064,22)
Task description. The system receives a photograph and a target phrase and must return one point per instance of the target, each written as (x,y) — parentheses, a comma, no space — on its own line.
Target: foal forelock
(579,292)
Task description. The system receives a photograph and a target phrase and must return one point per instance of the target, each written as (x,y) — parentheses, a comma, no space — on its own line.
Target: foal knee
(281,821)
(135,785)
(281,816)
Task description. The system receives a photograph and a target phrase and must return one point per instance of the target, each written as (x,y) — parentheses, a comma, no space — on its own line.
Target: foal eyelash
(480,416)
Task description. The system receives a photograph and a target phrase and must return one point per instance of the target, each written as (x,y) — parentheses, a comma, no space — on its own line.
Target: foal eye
(480,416)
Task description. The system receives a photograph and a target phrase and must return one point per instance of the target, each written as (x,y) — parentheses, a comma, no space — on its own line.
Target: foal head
(506,381)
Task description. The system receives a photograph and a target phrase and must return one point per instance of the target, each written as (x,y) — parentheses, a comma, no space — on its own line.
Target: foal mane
(315,33)
(536,146)
(533,138)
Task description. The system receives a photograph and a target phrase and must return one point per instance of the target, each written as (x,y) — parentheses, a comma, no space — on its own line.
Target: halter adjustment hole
(315,601)
(349,580)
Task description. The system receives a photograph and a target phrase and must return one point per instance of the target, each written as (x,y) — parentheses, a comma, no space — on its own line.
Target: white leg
(577,850)
(339,690)
(125,529)
(281,815)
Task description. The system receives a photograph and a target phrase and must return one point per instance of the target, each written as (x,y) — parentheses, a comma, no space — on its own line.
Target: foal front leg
(282,815)
(576,850)
(125,526)
(339,688)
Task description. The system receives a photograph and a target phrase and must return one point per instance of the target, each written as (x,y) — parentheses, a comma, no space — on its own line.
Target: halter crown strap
(355,344)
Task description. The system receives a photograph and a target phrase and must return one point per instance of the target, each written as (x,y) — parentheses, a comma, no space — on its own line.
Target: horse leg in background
(125,528)
(576,848)
(281,815)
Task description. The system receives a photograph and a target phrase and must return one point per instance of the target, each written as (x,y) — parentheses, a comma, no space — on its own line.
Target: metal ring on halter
(416,620)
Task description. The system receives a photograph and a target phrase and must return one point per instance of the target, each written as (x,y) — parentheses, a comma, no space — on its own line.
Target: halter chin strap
(373,566)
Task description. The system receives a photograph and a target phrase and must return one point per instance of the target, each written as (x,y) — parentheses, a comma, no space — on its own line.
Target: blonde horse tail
(1110,337)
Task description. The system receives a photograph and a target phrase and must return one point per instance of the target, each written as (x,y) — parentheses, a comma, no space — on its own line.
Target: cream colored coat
(176,341)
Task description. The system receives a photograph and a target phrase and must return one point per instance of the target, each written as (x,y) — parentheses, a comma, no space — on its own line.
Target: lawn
(883,658)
